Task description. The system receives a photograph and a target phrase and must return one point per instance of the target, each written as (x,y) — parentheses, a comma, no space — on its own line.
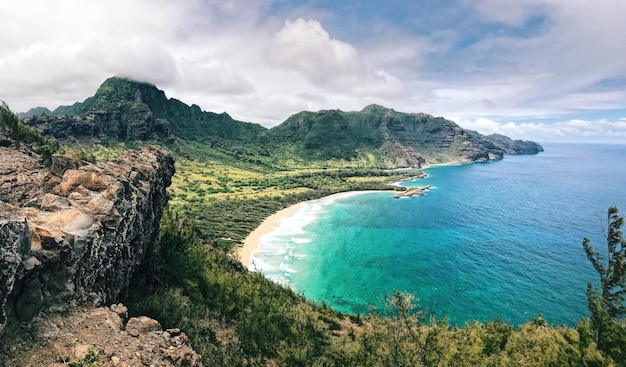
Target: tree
(607,307)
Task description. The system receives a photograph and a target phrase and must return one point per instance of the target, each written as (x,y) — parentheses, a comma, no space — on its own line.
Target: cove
(492,239)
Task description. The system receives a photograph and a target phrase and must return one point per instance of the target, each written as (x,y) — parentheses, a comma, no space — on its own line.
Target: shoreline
(253,240)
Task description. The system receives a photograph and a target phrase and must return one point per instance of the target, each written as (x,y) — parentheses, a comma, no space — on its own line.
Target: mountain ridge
(127,110)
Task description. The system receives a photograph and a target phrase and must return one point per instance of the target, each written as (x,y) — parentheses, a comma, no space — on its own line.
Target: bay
(490,239)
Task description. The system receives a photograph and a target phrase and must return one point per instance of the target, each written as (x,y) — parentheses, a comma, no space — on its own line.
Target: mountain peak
(124,89)
(374,108)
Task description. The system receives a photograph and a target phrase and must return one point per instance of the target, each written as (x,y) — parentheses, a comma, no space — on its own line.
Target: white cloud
(264,60)
(213,76)
(570,131)
(140,58)
(306,47)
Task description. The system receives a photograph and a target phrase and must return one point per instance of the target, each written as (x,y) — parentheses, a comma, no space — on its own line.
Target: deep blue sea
(491,239)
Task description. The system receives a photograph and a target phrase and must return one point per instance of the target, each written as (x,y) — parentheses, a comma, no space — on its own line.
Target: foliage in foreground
(239,318)
(607,306)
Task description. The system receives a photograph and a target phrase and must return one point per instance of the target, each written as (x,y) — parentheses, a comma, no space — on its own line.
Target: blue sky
(547,70)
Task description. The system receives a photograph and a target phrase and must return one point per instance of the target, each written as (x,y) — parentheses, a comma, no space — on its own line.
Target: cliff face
(15,239)
(77,235)
(131,124)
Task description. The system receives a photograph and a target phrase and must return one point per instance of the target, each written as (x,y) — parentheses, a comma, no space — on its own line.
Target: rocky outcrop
(23,178)
(103,337)
(418,191)
(80,241)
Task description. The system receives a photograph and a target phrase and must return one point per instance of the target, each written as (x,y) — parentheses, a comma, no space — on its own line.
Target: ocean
(490,239)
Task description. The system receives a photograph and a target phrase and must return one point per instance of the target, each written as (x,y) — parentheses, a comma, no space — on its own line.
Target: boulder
(141,325)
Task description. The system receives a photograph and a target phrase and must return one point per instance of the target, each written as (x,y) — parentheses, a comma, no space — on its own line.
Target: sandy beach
(252,241)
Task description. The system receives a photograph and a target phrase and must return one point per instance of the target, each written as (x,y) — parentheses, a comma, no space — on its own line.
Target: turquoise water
(491,239)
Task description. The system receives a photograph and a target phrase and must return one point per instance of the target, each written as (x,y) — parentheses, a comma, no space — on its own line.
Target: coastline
(253,240)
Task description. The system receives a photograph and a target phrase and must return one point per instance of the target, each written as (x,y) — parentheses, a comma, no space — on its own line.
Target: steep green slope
(327,135)
(394,138)
(127,110)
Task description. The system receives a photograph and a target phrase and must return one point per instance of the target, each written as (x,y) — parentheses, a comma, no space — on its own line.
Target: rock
(52,203)
(61,163)
(23,178)
(419,191)
(30,300)
(121,310)
(91,231)
(15,241)
(82,350)
(141,325)
(95,334)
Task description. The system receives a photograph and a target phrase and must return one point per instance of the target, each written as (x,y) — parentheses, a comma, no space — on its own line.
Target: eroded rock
(91,230)
(15,242)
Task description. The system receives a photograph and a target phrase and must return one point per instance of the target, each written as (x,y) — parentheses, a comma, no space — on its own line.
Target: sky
(545,70)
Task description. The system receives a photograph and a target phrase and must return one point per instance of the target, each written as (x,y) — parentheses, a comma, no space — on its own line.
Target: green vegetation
(608,306)
(393,139)
(90,360)
(22,133)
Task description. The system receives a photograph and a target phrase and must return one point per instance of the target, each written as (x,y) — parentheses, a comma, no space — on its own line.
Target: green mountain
(35,111)
(511,146)
(129,111)
(395,138)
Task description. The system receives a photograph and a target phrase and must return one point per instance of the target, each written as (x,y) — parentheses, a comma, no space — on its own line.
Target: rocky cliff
(136,123)
(75,234)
